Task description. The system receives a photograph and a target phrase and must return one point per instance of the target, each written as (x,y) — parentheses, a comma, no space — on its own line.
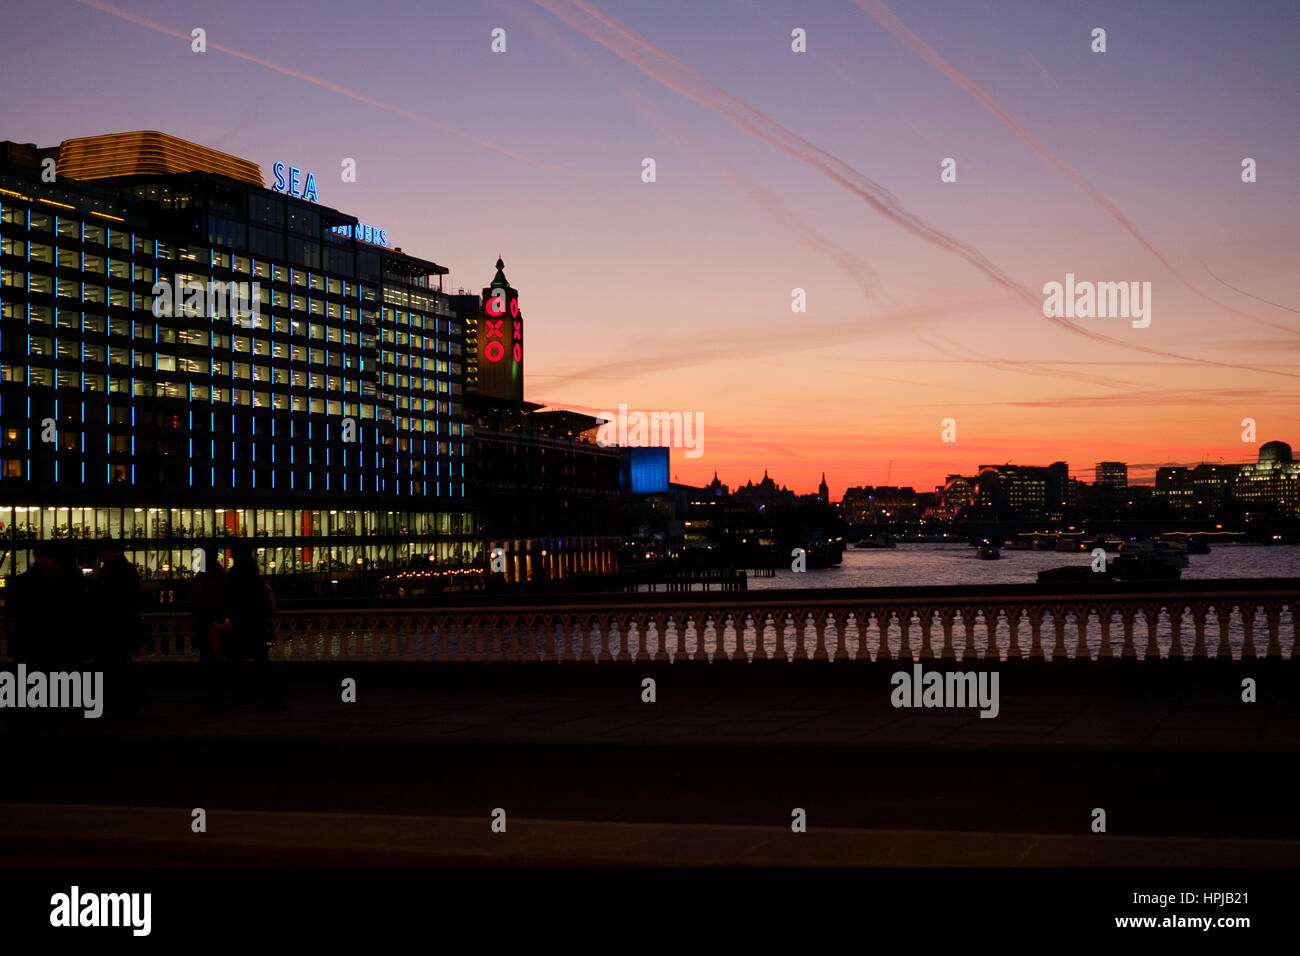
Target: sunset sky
(779,170)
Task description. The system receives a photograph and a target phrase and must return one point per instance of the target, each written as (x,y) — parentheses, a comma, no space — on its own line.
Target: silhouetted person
(46,605)
(115,629)
(250,604)
(208,618)
(115,606)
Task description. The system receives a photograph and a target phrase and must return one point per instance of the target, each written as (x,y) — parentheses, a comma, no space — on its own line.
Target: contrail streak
(863,276)
(1276,305)
(321,82)
(886,18)
(683,79)
(728,344)
(688,82)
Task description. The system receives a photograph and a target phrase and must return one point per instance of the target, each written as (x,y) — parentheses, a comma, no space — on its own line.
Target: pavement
(709,773)
(123,836)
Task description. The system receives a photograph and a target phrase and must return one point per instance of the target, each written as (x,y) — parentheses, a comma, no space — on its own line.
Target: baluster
(819,623)
(905,635)
(605,634)
(661,638)
(1152,621)
(680,653)
(760,636)
(801,637)
(948,651)
(584,640)
(1081,634)
(1176,632)
(637,656)
(883,650)
(1058,648)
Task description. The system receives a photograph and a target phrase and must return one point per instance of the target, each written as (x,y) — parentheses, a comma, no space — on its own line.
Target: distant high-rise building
(1212,486)
(872,505)
(1015,490)
(1174,487)
(1271,485)
(1113,474)
(956,494)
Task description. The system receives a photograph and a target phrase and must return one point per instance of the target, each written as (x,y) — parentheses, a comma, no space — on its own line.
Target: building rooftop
(147,153)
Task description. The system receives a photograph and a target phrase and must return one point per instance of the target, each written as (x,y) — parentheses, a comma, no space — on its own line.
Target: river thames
(911,565)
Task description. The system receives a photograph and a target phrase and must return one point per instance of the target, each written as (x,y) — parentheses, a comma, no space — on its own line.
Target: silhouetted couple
(231,614)
(61,620)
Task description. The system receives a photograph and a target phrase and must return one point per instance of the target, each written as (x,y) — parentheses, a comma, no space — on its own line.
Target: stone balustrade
(1192,619)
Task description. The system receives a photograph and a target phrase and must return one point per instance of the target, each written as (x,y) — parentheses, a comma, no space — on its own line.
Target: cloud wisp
(321,82)
(900,31)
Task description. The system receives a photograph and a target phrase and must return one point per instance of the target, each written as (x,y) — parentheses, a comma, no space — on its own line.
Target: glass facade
(185,358)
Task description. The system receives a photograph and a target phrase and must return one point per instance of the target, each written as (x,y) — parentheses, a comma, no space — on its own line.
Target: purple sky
(676,295)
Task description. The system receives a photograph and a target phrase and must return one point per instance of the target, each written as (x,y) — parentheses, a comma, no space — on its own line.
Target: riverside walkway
(469,707)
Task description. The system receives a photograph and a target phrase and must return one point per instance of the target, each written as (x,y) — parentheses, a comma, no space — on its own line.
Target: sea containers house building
(312,403)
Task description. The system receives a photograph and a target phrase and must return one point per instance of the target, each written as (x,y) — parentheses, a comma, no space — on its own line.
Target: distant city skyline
(817,171)
(1144,475)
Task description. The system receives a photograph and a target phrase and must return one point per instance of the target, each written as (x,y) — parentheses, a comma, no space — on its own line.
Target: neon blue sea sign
(295,186)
